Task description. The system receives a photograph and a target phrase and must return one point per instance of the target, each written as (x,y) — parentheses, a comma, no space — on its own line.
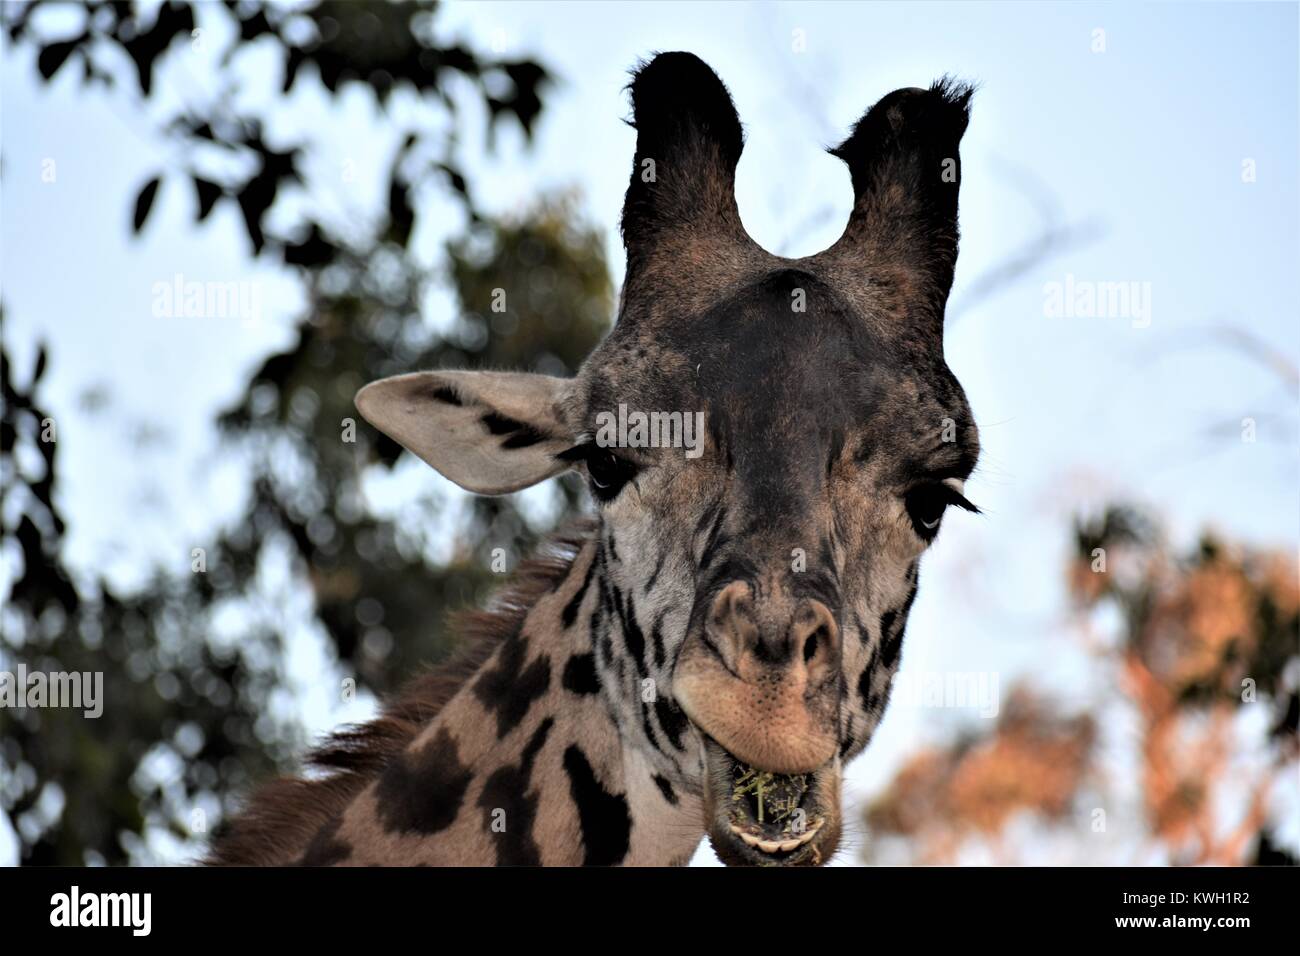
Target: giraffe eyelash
(955,487)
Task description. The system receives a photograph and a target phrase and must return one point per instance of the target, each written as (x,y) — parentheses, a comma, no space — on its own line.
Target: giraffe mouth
(762,818)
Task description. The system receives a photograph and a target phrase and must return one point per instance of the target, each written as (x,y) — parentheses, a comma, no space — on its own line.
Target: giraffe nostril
(810,645)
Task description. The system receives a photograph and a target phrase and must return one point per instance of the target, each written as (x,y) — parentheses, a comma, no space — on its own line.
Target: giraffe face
(772,445)
(764,577)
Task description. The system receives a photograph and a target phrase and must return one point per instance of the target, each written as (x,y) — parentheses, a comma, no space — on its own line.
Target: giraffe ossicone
(666,671)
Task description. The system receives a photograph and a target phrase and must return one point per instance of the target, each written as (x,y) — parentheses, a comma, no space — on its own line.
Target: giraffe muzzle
(764,682)
(763,685)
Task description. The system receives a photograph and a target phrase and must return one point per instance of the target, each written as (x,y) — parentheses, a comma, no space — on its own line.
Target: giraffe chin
(760,818)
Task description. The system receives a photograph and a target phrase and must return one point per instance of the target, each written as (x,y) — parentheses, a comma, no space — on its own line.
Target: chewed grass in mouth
(767,809)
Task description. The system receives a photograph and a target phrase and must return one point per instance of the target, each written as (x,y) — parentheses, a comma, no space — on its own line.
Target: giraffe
(705,655)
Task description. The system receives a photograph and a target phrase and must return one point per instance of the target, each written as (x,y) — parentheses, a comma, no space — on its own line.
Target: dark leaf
(208,193)
(144,202)
(55,55)
(292,63)
(41,357)
(254,26)
(253,204)
(401,217)
(528,78)
(456,179)
(173,20)
(313,252)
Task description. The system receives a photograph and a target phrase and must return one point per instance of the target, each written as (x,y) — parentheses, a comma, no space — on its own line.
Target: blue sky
(1143,143)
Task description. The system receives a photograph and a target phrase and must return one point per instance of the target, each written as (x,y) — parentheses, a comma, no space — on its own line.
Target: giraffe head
(772,445)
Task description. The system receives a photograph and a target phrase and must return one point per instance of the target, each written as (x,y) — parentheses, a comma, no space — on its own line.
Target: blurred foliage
(1201,640)
(1034,760)
(1201,623)
(72,786)
(333,45)
(194,666)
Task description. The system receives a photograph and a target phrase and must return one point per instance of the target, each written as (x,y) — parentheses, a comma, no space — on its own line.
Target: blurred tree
(78,789)
(195,667)
(332,45)
(1034,761)
(1207,644)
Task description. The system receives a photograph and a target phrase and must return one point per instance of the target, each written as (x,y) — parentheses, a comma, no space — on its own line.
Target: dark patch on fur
(524,438)
(863,637)
(714,541)
(672,719)
(510,689)
(657,638)
(570,612)
(507,789)
(445,394)
(604,817)
(887,626)
(517,434)
(836,450)
(654,575)
(632,632)
(499,424)
(891,641)
(580,674)
(818,582)
(666,789)
(649,727)
(864,683)
(603,643)
(326,849)
(422,791)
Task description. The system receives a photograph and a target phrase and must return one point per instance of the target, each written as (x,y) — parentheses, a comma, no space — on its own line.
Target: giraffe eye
(608,472)
(926,504)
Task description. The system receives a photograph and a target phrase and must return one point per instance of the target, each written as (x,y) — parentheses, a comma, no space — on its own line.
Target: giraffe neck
(526,764)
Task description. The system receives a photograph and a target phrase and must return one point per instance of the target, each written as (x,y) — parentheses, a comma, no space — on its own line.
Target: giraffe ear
(906,170)
(490,432)
(688,142)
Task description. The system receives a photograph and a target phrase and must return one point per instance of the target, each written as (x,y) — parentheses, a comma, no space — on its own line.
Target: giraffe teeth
(774,846)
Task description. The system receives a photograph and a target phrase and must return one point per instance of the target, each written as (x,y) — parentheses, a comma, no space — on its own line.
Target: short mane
(282,817)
